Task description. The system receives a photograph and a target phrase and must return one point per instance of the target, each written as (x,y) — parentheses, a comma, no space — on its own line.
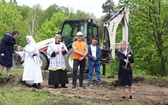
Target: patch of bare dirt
(11,81)
(159,82)
(147,91)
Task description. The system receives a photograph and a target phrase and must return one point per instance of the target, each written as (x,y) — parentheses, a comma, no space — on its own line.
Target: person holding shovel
(125,71)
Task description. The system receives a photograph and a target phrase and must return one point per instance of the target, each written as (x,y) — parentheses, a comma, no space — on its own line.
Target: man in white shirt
(94,55)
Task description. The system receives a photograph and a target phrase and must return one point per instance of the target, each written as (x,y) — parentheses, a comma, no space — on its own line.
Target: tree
(24,11)
(10,19)
(108,8)
(50,27)
(48,13)
(33,19)
(148,35)
(81,14)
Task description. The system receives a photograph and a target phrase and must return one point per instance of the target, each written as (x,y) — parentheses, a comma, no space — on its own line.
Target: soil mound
(159,82)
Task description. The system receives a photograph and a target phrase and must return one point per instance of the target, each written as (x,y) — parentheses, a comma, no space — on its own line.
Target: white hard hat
(79,33)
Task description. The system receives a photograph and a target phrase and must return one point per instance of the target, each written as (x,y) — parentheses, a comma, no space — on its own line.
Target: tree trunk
(162,65)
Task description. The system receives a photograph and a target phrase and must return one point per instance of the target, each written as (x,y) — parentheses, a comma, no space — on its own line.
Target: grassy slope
(11,96)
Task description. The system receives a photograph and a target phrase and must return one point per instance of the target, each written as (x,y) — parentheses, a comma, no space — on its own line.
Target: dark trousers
(77,63)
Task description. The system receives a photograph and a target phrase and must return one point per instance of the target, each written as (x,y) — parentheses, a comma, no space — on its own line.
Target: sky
(92,6)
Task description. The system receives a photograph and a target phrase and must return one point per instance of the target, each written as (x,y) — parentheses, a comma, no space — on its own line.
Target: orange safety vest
(80,46)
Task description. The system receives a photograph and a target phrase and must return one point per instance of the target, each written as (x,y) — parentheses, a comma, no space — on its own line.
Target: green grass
(112,69)
(142,73)
(14,72)
(10,96)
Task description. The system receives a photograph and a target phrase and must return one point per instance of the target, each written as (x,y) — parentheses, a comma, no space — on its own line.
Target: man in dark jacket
(94,55)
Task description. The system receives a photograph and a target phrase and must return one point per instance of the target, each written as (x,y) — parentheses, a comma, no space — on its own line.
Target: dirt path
(141,93)
(149,91)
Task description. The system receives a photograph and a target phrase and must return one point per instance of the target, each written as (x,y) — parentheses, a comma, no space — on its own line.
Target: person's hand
(22,49)
(129,55)
(126,61)
(63,50)
(56,52)
(95,59)
(13,55)
(81,58)
(2,54)
(84,55)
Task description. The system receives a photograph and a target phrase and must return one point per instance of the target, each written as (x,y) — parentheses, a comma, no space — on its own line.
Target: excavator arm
(110,27)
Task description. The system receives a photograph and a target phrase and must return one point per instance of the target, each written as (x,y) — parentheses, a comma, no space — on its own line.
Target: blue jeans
(97,70)
(77,63)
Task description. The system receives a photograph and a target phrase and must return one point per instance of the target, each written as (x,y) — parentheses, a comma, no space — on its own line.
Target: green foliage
(81,14)
(108,8)
(33,19)
(24,10)
(148,35)
(47,14)
(10,18)
(112,69)
(49,28)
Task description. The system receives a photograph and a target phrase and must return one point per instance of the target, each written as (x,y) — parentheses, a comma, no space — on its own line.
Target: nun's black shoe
(39,86)
(34,85)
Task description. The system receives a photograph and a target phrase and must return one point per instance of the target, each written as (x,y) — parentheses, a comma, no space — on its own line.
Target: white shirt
(93,50)
(125,52)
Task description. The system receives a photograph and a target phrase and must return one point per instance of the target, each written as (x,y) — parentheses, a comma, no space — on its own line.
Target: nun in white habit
(32,72)
(57,67)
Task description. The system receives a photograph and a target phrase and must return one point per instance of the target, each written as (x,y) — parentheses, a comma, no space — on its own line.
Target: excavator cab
(71,26)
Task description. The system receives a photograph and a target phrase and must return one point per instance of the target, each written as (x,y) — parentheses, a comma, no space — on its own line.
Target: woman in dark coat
(7,50)
(125,71)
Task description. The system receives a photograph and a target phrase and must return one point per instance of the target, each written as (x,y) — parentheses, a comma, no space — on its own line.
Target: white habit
(32,71)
